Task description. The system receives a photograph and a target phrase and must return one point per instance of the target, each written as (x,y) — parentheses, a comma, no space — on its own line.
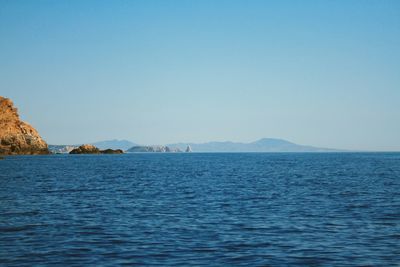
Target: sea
(201,209)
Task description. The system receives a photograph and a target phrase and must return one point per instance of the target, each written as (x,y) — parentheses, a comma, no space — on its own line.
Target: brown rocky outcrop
(91,149)
(85,149)
(18,137)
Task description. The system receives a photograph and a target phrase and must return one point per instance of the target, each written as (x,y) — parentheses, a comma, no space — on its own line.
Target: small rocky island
(91,149)
(18,137)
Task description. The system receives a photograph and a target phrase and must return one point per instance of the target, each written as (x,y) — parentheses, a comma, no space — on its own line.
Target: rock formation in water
(112,151)
(91,149)
(18,137)
(160,149)
(85,149)
(188,149)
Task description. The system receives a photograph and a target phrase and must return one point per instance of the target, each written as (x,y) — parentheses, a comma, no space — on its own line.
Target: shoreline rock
(18,137)
(111,151)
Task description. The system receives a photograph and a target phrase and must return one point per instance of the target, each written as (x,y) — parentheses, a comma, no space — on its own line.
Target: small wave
(74,190)
(6,229)
(21,213)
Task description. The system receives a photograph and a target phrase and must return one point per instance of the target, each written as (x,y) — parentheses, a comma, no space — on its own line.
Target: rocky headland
(18,137)
(91,149)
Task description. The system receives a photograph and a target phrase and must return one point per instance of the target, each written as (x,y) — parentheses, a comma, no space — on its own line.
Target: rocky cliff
(16,136)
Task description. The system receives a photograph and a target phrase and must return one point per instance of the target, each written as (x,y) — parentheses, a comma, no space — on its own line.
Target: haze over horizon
(320,73)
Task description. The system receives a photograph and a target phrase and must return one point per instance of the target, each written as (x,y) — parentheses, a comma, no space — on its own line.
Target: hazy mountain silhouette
(262,145)
(114,144)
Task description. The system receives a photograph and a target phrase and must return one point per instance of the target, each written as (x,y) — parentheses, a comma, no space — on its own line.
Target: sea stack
(188,149)
(18,137)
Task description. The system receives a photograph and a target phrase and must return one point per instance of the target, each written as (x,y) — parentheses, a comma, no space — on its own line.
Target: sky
(322,73)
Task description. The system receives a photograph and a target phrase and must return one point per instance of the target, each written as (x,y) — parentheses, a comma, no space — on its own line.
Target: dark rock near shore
(112,151)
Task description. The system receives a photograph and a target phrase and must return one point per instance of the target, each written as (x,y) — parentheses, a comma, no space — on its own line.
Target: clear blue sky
(323,73)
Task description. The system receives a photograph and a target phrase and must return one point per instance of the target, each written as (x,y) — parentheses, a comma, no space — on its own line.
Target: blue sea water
(242,209)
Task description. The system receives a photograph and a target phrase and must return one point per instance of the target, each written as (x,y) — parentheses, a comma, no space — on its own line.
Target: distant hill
(262,145)
(161,149)
(114,144)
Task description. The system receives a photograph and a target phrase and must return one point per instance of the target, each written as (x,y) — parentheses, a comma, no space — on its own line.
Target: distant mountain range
(262,145)
(114,144)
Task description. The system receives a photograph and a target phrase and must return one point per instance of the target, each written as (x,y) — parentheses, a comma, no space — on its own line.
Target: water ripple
(201,209)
